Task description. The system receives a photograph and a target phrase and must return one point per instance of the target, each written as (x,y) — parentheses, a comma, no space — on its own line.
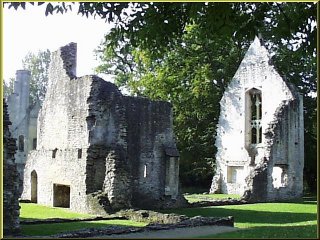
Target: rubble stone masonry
(99,150)
(11,223)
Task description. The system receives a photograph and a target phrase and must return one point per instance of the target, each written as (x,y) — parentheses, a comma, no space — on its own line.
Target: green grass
(296,219)
(54,228)
(207,197)
(265,220)
(30,211)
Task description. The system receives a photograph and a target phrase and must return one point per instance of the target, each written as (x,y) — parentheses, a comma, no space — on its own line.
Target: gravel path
(175,233)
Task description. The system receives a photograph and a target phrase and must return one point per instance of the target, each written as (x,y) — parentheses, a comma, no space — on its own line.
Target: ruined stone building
(24,119)
(11,222)
(260,137)
(97,149)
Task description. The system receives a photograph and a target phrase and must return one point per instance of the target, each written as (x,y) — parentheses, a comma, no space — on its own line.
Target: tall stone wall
(24,117)
(62,137)
(128,139)
(20,96)
(11,222)
(61,121)
(243,167)
(18,106)
(287,152)
(149,135)
(108,169)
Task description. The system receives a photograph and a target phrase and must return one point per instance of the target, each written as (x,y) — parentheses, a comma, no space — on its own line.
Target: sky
(31,31)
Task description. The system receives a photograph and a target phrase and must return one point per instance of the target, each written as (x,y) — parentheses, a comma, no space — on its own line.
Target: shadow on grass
(308,231)
(55,228)
(311,202)
(249,216)
(28,219)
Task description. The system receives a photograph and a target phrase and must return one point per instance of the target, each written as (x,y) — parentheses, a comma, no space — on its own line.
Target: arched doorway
(34,187)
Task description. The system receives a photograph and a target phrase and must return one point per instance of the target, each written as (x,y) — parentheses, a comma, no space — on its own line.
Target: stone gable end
(260,133)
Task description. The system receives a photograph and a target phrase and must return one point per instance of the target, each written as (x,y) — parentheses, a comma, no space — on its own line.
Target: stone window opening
(54,152)
(170,174)
(253,117)
(235,174)
(34,187)
(79,153)
(280,176)
(256,113)
(34,143)
(145,171)
(171,171)
(21,143)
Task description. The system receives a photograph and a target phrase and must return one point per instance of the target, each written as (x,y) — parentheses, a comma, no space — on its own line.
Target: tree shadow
(311,202)
(273,232)
(250,216)
(304,200)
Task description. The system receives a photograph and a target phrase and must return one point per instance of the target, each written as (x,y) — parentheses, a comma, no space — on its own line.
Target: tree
(8,88)
(38,65)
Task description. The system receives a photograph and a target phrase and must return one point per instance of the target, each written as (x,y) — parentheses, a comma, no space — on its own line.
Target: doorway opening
(61,195)
(34,187)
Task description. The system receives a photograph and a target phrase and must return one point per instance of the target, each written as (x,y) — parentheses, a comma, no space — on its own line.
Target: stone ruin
(97,150)
(260,137)
(24,120)
(11,222)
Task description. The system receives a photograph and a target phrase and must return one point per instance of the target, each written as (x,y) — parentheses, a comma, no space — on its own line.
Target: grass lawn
(31,211)
(265,220)
(54,228)
(297,219)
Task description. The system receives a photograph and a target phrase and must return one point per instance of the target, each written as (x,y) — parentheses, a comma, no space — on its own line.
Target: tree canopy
(38,65)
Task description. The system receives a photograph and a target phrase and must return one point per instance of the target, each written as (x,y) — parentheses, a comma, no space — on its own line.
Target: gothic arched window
(253,117)
(256,112)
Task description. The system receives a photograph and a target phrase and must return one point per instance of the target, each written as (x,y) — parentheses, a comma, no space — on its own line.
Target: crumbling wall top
(64,62)
(23,72)
(68,54)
